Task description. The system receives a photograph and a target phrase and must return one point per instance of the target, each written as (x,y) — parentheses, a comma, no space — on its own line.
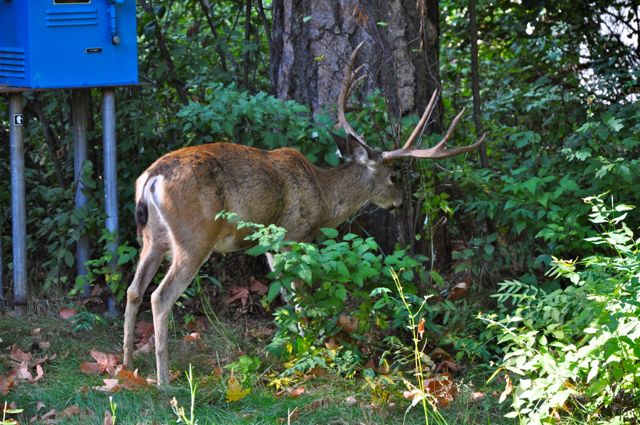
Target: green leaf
(340,291)
(615,124)
(274,290)
(329,233)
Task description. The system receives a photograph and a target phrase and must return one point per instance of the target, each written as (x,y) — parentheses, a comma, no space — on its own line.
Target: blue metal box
(68,43)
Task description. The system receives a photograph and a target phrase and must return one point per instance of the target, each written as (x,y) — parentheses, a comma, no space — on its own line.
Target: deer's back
(270,187)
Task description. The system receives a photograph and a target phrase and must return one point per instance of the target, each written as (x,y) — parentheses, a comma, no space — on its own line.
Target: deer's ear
(350,149)
(342,144)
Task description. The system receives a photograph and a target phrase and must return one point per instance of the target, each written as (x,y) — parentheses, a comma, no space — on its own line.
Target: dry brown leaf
(108,419)
(39,406)
(90,368)
(67,313)
(237,293)
(421,328)
(477,395)
(39,374)
(110,386)
(258,287)
(69,411)
(331,344)
(261,332)
(348,324)
(144,331)
(36,331)
(6,384)
(131,380)
(23,372)
(106,361)
(149,347)
(199,325)
(20,356)
(460,290)
(194,336)
(351,400)
(442,388)
(44,345)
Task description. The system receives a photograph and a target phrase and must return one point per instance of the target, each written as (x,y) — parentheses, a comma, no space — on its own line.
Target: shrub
(575,349)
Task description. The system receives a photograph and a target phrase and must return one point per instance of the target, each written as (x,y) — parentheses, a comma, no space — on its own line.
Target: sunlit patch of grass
(327,400)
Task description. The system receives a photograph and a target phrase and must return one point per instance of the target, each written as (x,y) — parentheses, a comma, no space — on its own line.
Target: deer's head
(378,164)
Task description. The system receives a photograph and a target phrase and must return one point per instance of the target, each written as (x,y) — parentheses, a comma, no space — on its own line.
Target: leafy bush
(340,292)
(576,349)
(260,120)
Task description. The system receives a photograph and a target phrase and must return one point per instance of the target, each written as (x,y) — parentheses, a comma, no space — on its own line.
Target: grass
(325,400)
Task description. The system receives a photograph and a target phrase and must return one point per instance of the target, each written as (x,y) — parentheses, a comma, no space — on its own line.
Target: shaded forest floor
(56,388)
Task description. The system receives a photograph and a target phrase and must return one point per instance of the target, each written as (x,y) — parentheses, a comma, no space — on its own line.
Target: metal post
(2,298)
(18,210)
(110,178)
(80,118)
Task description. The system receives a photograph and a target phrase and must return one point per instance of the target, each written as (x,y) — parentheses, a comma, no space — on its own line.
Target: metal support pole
(18,210)
(80,118)
(2,297)
(110,179)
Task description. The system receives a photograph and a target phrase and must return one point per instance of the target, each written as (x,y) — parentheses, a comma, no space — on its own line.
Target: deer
(179,195)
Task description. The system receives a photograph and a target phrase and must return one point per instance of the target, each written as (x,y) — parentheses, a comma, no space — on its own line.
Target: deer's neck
(346,189)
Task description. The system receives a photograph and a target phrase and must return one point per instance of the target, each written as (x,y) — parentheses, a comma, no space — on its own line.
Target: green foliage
(341,286)
(576,348)
(257,120)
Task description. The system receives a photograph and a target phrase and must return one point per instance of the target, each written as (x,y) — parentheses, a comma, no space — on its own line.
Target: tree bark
(313,39)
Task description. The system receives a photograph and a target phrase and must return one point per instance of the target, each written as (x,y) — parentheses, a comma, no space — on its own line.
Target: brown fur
(178,197)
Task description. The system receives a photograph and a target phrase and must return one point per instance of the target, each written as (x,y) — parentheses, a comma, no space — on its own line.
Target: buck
(179,195)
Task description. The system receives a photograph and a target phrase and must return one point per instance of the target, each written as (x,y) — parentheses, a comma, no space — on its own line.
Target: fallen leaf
(44,345)
(69,411)
(67,313)
(351,400)
(131,380)
(194,336)
(144,331)
(235,391)
(237,293)
(198,325)
(110,386)
(106,361)
(22,371)
(49,415)
(149,347)
(39,406)
(108,419)
(36,331)
(258,287)
(261,332)
(440,354)
(296,392)
(477,395)
(458,291)
(331,344)
(39,374)
(90,368)
(6,384)
(442,388)
(347,323)
(20,356)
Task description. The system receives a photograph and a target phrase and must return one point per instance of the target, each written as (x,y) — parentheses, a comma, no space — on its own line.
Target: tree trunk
(313,39)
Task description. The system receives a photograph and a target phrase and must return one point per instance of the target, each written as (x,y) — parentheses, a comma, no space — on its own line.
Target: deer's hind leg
(183,269)
(153,251)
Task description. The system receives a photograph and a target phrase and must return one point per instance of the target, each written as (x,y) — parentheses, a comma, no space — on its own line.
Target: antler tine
(423,121)
(438,151)
(344,96)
